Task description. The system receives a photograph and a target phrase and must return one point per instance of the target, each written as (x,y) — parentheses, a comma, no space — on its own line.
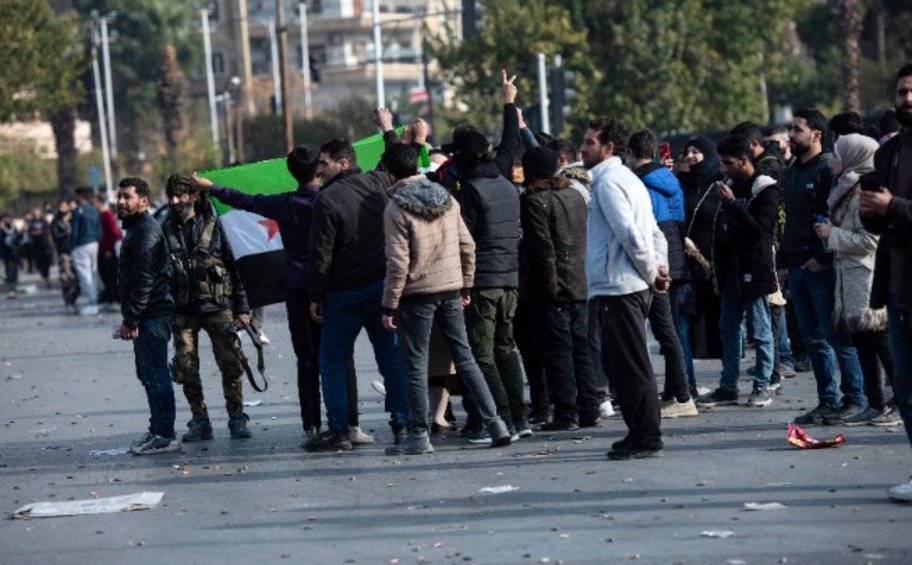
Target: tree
(169,89)
(43,61)
(514,32)
(850,31)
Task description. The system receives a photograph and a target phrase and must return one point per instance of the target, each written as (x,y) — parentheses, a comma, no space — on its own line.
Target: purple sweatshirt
(292,211)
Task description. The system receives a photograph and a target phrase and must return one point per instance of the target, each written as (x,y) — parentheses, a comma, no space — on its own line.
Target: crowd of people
(539,261)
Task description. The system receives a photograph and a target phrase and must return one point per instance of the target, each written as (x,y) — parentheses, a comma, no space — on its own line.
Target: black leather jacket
(144,272)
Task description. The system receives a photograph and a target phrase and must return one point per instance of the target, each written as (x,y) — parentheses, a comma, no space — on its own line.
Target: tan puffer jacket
(428,247)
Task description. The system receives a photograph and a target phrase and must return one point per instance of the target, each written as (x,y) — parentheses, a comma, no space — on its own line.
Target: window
(218,63)
(213,7)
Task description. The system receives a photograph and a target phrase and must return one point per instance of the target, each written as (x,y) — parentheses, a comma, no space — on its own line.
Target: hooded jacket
(624,246)
(429,252)
(668,208)
(553,250)
(805,189)
(744,229)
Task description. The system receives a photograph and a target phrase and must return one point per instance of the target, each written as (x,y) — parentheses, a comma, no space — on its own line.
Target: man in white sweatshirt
(625,263)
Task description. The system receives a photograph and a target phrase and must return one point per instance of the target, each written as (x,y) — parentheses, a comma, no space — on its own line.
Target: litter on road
(497,490)
(109,505)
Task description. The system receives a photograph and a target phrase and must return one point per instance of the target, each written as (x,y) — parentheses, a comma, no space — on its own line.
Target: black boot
(237,425)
(200,429)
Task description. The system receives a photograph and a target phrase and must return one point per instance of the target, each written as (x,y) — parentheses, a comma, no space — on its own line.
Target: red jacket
(110,233)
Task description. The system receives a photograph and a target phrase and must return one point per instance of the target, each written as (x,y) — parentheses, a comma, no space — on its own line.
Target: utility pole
(283,63)
(305,60)
(378,56)
(543,93)
(109,90)
(99,106)
(210,78)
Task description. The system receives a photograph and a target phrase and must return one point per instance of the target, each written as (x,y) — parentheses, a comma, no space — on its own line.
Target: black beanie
(539,163)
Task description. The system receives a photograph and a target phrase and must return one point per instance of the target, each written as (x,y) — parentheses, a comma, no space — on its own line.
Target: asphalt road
(68,390)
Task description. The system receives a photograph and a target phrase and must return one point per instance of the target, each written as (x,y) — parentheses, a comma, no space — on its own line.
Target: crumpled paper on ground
(497,490)
(111,504)
(797,437)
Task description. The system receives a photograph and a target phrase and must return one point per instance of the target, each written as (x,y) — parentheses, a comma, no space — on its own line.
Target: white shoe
(263,339)
(674,409)
(606,410)
(359,437)
(901,493)
(702,391)
(378,386)
(90,310)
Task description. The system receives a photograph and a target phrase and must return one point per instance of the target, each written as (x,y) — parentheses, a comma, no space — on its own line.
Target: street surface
(68,390)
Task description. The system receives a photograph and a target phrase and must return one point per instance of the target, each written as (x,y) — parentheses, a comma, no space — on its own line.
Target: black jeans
(305,339)
(625,348)
(663,328)
(563,332)
(524,329)
(602,378)
(107,271)
(873,351)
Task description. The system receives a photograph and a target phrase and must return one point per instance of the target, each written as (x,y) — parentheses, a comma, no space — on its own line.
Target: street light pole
(378,56)
(283,63)
(543,94)
(305,60)
(109,90)
(274,55)
(210,78)
(102,127)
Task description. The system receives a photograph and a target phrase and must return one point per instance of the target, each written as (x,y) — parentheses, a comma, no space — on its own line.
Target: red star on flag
(272,228)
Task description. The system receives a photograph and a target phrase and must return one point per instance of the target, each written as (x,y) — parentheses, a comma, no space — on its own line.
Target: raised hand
(383,117)
(507,88)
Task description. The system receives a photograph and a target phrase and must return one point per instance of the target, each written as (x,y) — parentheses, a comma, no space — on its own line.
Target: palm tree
(850,29)
(169,90)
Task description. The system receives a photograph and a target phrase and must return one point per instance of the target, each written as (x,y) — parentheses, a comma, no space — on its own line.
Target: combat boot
(237,425)
(200,429)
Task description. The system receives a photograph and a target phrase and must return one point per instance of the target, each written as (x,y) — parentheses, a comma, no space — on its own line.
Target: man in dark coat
(744,271)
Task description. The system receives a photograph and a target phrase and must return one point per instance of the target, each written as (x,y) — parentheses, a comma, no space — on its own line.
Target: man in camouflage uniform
(209,296)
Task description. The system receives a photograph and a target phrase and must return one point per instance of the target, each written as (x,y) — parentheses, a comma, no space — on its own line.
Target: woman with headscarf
(855,251)
(699,305)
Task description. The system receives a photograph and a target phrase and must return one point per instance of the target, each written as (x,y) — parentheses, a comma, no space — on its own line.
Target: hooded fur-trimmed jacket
(428,247)
(552,255)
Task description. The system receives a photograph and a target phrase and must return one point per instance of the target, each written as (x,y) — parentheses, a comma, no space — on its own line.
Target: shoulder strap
(208,230)
(175,242)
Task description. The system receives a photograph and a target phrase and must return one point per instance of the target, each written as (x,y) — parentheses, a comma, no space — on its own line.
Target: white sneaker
(263,339)
(702,390)
(606,410)
(359,437)
(378,386)
(901,493)
(674,409)
(90,310)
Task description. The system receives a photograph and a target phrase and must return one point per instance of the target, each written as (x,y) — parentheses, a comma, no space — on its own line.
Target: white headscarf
(856,153)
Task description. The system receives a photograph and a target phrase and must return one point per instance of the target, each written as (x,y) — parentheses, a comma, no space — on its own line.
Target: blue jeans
(901,343)
(345,312)
(758,313)
(415,321)
(784,345)
(813,296)
(151,351)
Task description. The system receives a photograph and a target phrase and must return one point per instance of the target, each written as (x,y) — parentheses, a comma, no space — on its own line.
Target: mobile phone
(664,151)
(870,182)
(820,218)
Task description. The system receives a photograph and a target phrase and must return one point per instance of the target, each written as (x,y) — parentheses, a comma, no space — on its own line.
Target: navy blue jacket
(85,227)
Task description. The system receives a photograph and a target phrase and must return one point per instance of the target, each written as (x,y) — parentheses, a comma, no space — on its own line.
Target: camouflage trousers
(185,364)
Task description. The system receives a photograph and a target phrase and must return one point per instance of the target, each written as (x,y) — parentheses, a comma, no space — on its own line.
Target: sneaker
(523,429)
(815,417)
(536,418)
(606,410)
(263,339)
(759,398)
(901,493)
(775,383)
(400,432)
(89,310)
(803,365)
(701,391)
(673,409)
(560,426)
(157,444)
(636,450)
(481,437)
(237,425)
(415,444)
(622,444)
(310,434)
(862,417)
(887,419)
(378,387)
(144,439)
(846,412)
(786,371)
(499,434)
(200,429)
(718,397)
(359,437)
(330,441)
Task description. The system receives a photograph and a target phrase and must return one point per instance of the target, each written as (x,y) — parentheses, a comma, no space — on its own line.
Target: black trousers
(602,378)
(662,324)
(563,341)
(524,331)
(625,349)
(305,339)
(107,271)
(873,351)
